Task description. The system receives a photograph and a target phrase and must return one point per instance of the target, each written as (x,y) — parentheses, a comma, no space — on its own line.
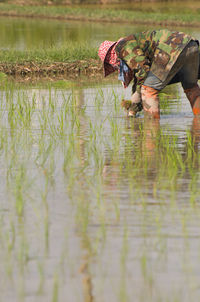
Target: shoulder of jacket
(123,42)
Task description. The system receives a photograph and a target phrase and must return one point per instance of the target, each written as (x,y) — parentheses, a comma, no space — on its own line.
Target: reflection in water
(195,134)
(108,205)
(83,209)
(152,159)
(85,270)
(140,150)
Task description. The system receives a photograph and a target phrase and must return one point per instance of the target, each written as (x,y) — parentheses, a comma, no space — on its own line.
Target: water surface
(27,34)
(96,206)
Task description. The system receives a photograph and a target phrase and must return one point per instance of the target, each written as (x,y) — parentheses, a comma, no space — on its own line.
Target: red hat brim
(108,68)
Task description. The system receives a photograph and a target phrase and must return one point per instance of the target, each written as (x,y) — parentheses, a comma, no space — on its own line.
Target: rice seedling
(119,188)
(55,289)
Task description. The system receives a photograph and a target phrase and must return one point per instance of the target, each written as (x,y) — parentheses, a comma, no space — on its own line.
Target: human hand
(132,108)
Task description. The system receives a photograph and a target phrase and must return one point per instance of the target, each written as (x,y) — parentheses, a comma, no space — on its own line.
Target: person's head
(108,57)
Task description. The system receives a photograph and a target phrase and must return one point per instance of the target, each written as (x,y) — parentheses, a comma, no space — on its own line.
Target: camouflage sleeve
(135,86)
(139,63)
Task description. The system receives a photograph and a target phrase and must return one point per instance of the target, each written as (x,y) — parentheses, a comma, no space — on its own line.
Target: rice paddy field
(95,206)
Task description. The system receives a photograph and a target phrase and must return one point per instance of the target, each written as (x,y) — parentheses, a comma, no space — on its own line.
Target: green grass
(68,53)
(185,16)
(72,52)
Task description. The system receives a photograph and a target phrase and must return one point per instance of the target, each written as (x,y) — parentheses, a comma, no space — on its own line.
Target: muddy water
(22,33)
(96,206)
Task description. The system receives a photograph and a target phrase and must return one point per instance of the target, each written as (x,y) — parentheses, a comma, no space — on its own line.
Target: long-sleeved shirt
(157,50)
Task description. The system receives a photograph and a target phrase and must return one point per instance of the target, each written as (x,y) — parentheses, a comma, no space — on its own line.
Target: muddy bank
(73,70)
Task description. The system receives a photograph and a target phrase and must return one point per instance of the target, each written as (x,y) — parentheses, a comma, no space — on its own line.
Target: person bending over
(151,59)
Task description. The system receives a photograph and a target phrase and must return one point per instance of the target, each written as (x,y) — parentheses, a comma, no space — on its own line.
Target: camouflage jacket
(157,50)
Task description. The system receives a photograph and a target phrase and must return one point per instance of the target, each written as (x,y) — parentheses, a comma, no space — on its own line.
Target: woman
(151,59)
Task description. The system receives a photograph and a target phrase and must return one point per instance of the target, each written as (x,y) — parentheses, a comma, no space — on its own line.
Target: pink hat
(108,56)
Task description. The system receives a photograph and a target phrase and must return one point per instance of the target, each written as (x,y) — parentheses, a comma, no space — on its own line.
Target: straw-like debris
(72,70)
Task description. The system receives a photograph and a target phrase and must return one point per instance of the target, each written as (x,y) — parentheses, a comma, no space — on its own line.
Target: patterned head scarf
(108,56)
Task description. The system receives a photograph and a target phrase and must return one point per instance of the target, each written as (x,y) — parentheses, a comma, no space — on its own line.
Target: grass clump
(70,52)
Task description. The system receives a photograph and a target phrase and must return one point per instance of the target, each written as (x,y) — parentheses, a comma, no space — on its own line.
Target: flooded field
(96,206)
(28,33)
